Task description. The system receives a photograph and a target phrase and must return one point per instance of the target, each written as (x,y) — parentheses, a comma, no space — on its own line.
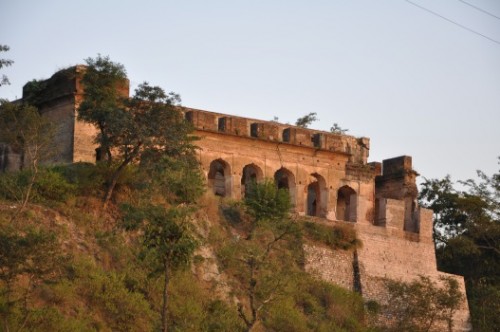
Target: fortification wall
(387,252)
(327,176)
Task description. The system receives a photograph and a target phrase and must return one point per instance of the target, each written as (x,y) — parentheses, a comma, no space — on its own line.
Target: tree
(266,203)
(306,120)
(336,129)
(168,243)
(178,179)
(259,260)
(467,236)
(421,305)
(4,80)
(142,129)
(102,80)
(26,131)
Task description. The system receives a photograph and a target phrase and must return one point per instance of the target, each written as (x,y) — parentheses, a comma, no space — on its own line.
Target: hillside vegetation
(69,265)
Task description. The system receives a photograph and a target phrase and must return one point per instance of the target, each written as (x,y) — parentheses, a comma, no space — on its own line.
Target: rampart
(327,175)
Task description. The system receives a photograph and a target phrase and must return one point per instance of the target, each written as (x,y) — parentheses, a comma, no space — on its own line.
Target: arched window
(285,179)
(317,196)
(251,173)
(219,178)
(346,204)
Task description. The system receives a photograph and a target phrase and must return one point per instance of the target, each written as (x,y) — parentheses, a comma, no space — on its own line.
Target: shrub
(87,178)
(337,236)
(51,185)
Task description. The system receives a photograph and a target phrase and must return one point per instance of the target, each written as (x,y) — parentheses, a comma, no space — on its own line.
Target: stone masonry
(327,175)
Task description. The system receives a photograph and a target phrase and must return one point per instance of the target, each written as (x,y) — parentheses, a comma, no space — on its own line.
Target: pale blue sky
(413,82)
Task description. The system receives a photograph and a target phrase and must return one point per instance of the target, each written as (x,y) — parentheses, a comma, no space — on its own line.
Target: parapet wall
(356,148)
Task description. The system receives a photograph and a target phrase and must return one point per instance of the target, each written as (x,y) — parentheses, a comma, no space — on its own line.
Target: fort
(327,175)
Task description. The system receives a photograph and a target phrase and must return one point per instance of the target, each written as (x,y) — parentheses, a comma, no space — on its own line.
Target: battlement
(356,148)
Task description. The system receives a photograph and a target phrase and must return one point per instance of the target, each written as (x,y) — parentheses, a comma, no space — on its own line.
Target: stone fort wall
(328,177)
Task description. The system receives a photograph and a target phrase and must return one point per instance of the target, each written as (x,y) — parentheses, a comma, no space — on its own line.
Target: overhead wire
(453,22)
(480,9)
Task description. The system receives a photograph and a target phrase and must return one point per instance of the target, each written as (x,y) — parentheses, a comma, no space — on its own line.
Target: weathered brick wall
(387,253)
(10,160)
(84,147)
(61,112)
(356,148)
(335,266)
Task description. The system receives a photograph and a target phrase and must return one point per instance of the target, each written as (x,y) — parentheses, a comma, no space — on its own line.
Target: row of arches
(220,182)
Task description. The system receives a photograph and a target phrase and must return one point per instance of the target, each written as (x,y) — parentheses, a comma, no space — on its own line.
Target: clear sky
(412,81)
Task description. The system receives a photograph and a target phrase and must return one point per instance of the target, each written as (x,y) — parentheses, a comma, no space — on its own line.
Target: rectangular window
(254,130)
(222,124)
(316,139)
(286,135)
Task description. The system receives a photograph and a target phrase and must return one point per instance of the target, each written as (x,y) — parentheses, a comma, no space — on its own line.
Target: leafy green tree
(266,203)
(25,130)
(168,243)
(306,120)
(421,305)
(178,179)
(142,129)
(254,259)
(4,80)
(467,235)
(102,80)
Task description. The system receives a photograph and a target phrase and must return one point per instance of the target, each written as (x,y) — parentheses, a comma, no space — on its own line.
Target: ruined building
(327,175)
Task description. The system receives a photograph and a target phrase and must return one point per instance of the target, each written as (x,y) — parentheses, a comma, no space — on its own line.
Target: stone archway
(285,179)
(251,174)
(346,204)
(317,196)
(219,178)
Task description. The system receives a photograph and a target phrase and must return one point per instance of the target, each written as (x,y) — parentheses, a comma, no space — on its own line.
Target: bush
(51,185)
(87,178)
(118,308)
(337,236)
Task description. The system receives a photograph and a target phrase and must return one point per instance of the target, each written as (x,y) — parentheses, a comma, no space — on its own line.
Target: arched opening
(317,197)
(251,174)
(219,178)
(285,179)
(312,199)
(346,204)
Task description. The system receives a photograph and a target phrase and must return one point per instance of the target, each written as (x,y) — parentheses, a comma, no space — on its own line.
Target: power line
(480,9)
(457,24)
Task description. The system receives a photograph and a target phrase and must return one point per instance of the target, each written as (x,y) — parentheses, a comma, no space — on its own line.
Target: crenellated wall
(356,148)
